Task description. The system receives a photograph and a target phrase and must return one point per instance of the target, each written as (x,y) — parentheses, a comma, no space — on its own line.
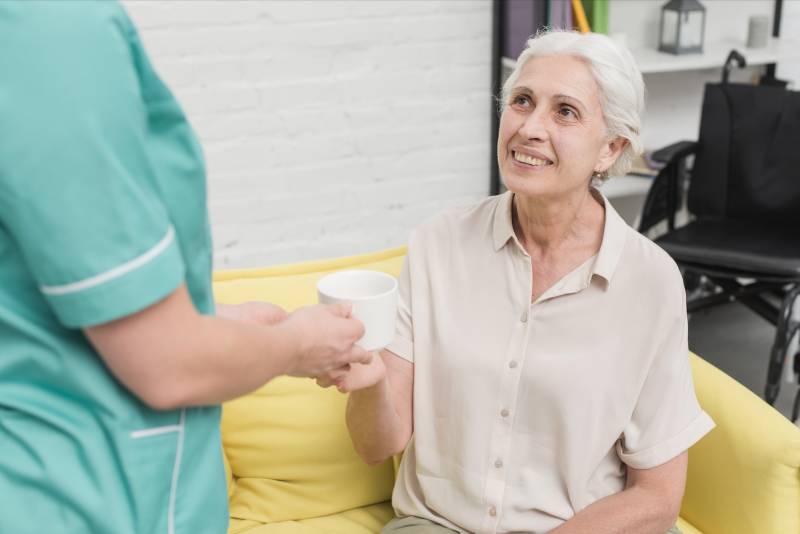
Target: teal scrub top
(102,214)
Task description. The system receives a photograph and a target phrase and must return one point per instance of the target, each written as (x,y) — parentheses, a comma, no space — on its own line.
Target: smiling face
(551,133)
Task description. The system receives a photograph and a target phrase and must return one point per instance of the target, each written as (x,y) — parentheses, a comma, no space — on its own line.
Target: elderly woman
(539,380)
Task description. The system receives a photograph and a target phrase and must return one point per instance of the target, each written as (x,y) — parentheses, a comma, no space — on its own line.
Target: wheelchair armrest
(675,151)
(663,198)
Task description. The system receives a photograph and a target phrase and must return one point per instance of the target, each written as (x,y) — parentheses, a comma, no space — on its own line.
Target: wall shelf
(626,186)
(650,60)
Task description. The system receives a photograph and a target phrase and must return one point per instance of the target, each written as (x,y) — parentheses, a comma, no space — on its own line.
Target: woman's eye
(566,112)
(522,101)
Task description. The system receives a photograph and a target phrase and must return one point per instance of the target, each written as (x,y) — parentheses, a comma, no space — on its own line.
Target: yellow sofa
(292,468)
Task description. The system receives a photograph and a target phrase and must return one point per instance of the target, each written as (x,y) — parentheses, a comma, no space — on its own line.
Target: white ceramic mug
(374,298)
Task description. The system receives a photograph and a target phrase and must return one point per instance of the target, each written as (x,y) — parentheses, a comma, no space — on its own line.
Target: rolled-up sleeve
(78,193)
(667,418)
(403,344)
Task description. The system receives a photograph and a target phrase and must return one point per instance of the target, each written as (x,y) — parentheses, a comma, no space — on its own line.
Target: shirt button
(504,412)
(524,317)
(492,512)
(512,363)
(498,464)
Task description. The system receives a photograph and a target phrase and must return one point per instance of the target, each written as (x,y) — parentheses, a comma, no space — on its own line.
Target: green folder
(597,15)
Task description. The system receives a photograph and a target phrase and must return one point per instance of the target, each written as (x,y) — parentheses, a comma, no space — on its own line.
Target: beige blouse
(524,414)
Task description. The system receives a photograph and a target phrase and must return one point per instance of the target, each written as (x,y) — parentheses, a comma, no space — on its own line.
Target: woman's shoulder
(463,216)
(645,261)
(460,223)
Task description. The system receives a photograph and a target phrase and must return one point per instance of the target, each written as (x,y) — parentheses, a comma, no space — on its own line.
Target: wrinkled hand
(327,336)
(252,313)
(355,376)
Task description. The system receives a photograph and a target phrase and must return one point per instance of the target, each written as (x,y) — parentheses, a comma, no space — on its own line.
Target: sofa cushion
(366,520)
(686,528)
(287,446)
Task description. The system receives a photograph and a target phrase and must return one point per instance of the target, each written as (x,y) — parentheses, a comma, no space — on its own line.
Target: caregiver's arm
(169,355)
(252,313)
(649,504)
(379,409)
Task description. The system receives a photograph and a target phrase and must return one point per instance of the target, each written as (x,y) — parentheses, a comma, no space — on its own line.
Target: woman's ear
(611,152)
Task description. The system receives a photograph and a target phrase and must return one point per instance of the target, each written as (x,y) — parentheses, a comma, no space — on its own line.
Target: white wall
(336,127)
(790,30)
(675,98)
(330,127)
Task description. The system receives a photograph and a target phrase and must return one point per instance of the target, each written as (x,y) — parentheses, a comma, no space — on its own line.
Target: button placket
(506,402)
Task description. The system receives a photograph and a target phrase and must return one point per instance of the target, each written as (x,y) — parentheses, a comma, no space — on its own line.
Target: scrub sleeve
(79,194)
(102,214)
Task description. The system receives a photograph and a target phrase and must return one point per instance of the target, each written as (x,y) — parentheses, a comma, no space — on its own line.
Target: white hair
(618,79)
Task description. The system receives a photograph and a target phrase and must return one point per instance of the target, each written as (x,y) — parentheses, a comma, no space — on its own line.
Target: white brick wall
(330,127)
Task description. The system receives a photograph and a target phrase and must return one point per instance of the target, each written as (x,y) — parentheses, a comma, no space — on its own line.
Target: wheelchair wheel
(691,280)
(796,369)
(796,409)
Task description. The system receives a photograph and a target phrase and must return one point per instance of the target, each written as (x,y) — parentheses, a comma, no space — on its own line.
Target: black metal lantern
(682,27)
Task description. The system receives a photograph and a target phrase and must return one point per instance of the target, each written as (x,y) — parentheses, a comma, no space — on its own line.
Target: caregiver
(106,332)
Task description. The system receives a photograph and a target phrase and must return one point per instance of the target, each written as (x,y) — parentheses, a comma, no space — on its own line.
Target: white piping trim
(175,471)
(111,274)
(147,432)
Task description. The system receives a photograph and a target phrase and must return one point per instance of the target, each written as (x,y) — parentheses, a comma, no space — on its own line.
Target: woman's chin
(543,184)
(529,186)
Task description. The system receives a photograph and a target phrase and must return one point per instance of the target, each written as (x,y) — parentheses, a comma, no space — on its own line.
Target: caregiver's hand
(252,313)
(329,334)
(169,356)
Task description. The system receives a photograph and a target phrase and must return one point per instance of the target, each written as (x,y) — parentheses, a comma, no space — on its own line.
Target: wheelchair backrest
(748,162)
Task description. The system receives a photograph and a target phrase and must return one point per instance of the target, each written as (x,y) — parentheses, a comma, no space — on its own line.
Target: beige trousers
(417,525)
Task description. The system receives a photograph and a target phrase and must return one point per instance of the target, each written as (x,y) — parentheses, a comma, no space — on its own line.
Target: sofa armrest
(744,476)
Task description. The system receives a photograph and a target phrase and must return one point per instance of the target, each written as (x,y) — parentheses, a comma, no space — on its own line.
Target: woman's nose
(533,129)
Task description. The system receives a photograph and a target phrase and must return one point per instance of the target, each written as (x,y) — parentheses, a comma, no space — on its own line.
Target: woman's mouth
(528,160)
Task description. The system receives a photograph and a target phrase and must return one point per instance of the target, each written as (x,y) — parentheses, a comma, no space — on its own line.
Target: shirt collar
(615,232)
(502,229)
